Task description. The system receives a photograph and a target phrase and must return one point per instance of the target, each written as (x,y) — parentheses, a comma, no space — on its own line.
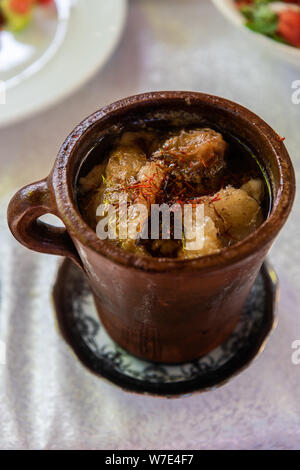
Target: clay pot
(164,310)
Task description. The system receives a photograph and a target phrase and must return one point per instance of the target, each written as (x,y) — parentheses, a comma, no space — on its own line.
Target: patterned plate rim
(211,381)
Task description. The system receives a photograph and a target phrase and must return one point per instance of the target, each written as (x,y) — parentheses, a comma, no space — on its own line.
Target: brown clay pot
(164,310)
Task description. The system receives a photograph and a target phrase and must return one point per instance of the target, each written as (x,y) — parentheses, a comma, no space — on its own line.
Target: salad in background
(277,20)
(16,15)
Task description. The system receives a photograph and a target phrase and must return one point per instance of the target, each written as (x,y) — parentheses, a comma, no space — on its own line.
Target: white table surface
(47,399)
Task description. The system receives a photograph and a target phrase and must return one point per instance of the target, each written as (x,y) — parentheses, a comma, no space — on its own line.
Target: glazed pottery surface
(163,310)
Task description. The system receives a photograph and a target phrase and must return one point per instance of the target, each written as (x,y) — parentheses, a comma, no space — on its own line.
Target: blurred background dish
(48,400)
(28,43)
(284,49)
(61,47)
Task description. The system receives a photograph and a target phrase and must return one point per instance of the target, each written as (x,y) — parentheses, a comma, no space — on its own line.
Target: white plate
(62,48)
(229,10)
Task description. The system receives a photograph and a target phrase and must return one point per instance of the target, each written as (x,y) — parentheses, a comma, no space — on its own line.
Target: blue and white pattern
(98,351)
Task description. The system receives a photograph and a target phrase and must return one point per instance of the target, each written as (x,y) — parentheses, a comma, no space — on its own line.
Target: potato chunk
(230,216)
(105,187)
(255,189)
(236,214)
(208,244)
(124,163)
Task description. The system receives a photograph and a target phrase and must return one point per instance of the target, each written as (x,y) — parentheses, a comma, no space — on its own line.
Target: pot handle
(23,213)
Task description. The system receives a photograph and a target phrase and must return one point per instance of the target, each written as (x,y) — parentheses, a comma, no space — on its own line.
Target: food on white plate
(16,15)
(277,20)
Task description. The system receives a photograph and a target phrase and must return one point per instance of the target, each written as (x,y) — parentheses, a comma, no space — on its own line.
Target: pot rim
(69,213)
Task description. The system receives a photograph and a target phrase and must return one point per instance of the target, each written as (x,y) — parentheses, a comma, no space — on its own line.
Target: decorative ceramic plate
(59,51)
(81,328)
(284,51)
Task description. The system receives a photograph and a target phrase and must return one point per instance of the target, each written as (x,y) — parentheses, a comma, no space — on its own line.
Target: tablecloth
(47,399)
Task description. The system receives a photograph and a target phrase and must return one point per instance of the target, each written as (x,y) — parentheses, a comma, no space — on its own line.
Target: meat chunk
(150,178)
(128,177)
(200,150)
(143,194)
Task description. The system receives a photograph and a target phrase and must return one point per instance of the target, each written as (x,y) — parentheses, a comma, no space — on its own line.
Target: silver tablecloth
(47,399)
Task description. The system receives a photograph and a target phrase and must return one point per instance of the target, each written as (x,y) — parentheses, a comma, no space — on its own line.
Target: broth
(215,169)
